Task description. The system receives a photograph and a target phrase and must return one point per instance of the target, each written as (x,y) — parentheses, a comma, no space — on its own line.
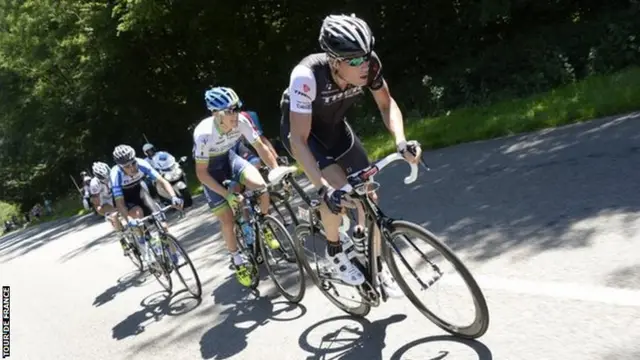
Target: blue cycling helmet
(221,98)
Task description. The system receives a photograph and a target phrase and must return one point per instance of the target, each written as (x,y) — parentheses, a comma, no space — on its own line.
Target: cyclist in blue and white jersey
(216,161)
(130,192)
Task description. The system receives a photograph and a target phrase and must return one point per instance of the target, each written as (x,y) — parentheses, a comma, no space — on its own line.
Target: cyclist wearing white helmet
(322,87)
(216,161)
(102,198)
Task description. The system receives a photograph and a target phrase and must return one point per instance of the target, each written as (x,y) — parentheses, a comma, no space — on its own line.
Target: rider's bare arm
(391,114)
(302,93)
(95,200)
(122,208)
(265,153)
(300,130)
(166,185)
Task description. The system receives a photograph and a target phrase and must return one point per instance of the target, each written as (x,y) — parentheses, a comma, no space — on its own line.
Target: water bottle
(247,231)
(156,245)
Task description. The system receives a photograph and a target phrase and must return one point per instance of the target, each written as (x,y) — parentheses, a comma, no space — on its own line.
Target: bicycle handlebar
(144,219)
(365,174)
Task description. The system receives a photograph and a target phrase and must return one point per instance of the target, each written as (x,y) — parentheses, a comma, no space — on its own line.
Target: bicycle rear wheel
(400,230)
(196,287)
(321,275)
(282,208)
(286,253)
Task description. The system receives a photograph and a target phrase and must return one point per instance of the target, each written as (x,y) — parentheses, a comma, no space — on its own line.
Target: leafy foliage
(79,77)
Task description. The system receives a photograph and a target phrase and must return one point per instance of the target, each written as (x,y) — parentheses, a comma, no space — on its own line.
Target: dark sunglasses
(358,60)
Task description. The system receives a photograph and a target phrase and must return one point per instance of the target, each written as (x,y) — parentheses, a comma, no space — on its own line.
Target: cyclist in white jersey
(214,140)
(102,198)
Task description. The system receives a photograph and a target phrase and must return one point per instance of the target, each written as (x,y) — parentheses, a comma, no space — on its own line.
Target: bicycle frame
(357,189)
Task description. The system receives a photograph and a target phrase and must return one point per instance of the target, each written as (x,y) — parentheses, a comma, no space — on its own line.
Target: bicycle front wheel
(133,251)
(403,232)
(310,245)
(283,264)
(159,271)
(184,267)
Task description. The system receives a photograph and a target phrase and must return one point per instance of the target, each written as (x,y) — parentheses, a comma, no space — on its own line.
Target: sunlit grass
(593,97)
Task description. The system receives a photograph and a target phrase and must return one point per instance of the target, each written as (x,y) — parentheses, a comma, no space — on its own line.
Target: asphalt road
(548,222)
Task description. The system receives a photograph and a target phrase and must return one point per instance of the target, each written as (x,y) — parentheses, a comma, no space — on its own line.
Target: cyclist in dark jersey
(322,87)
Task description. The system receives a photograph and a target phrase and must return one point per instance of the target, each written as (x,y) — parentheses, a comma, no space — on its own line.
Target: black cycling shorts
(345,148)
(136,195)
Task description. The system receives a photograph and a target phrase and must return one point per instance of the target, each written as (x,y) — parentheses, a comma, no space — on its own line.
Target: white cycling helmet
(344,36)
(123,154)
(100,170)
(146,147)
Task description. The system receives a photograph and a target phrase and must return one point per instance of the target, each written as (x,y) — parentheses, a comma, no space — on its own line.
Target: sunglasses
(234,110)
(358,60)
(131,164)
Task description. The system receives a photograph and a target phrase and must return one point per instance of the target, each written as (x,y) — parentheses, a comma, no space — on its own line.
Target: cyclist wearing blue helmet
(214,140)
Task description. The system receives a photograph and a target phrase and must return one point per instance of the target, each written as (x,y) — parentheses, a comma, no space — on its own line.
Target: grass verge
(593,97)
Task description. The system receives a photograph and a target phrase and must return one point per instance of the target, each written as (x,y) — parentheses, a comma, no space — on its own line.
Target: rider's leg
(223,212)
(355,159)
(149,205)
(336,177)
(251,178)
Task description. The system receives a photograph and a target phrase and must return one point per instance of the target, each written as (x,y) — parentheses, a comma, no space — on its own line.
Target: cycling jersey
(121,182)
(211,144)
(252,116)
(312,91)
(97,187)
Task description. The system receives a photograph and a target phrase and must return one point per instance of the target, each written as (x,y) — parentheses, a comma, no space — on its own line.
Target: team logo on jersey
(335,97)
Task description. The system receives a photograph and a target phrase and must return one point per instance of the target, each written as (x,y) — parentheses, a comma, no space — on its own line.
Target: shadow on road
(535,192)
(346,338)
(229,336)
(22,242)
(440,351)
(134,278)
(155,307)
(358,339)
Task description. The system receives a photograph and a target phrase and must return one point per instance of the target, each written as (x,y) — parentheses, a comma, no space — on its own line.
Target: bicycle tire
(294,298)
(287,207)
(134,252)
(360,311)
(481,321)
(185,256)
(164,273)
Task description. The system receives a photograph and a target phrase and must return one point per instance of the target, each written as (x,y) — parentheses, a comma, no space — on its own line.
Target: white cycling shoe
(345,269)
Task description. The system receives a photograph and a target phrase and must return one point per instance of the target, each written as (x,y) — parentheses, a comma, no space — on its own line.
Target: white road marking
(581,292)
